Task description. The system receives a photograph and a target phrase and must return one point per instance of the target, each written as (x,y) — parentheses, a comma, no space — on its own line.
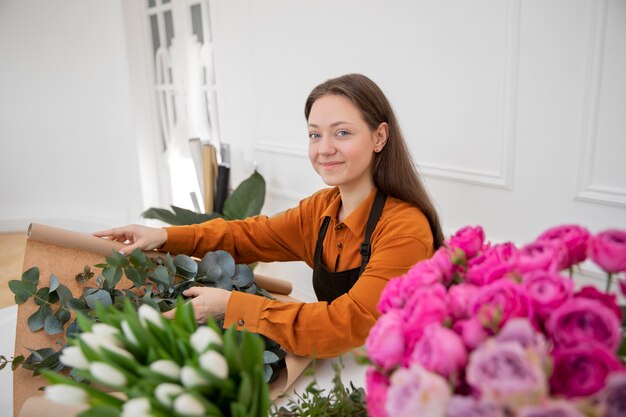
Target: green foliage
(155,282)
(315,402)
(245,201)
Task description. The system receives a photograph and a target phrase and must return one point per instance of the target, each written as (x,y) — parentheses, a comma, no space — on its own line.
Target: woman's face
(341,144)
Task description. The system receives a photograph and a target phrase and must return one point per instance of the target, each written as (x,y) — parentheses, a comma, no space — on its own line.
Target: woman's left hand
(206,302)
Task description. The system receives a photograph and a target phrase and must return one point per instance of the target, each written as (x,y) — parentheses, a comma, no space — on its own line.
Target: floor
(12,248)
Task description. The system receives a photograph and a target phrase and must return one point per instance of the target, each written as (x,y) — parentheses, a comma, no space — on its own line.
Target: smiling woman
(372,225)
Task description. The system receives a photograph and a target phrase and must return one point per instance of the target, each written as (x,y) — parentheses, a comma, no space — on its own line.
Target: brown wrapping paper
(65,253)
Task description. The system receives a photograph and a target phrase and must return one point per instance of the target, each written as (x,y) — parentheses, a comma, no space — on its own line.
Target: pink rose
(460,406)
(506,372)
(440,350)
(575,239)
(546,255)
(385,342)
(460,298)
(442,259)
(547,291)
(427,305)
(472,332)
(582,370)
(469,240)
(393,296)
(417,392)
(521,331)
(376,385)
(496,303)
(492,264)
(613,396)
(580,320)
(423,274)
(609,300)
(551,409)
(608,250)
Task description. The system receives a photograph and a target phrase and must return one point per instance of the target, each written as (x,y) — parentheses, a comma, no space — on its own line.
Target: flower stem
(609,281)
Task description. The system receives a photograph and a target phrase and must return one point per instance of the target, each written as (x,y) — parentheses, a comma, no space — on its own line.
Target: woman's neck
(351,199)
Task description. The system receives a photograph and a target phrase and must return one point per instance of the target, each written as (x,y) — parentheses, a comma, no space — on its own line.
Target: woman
(374,224)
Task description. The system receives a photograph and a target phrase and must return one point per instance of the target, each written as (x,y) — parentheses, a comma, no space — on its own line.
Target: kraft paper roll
(99,246)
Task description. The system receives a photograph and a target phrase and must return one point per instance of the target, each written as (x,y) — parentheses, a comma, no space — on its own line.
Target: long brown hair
(394,171)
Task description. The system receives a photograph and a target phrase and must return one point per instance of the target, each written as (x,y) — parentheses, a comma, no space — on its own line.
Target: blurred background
(514,110)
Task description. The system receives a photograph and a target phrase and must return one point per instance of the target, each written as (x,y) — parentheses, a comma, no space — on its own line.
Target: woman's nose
(326,145)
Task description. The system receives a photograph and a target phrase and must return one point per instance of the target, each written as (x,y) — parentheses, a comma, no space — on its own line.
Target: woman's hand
(206,302)
(135,236)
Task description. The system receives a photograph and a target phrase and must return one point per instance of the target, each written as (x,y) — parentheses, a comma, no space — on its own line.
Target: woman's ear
(381,135)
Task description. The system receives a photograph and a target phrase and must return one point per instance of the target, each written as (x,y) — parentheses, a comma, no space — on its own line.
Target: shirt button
(240,322)
(339,245)
(339,227)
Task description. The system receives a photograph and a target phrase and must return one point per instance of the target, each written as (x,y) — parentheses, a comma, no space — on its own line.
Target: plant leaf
(243,277)
(178,216)
(31,276)
(112,275)
(185,266)
(101,296)
(54,283)
(64,293)
(17,361)
(247,199)
(52,325)
(23,290)
(160,275)
(37,319)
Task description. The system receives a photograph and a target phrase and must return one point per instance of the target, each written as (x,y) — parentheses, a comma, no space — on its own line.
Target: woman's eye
(313,135)
(343,133)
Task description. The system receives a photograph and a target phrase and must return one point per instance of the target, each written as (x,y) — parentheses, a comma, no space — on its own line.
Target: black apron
(330,285)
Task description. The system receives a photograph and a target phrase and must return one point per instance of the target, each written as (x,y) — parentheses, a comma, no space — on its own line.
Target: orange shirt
(402,237)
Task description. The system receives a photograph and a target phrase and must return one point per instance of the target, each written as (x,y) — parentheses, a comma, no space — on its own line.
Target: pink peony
(609,300)
(506,372)
(460,406)
(440,350)
(472,332)
(608,250)
(417,392)
(496,303)
(582,369)
(492,264)
(520,330)
(393,296)
(575,238)
(580,321)
(442,259)
(427,305)
(547,291)
(460,298)
(613,396)
(551,409)
(376,385)
(385,342)
(468,239)
(423,274)
(545,255)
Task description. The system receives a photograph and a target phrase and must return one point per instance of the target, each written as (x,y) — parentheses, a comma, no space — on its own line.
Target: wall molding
(277,148)
(503,178)
(587,190)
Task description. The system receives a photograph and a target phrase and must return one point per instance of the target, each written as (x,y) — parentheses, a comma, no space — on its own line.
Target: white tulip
(166,392)
(215,363)
(189,405)
(73,356)
(149,314)
(129,333)
(191,378)
(96,341)
(107,374)
(166,367)
(66,394)
(202,337)
(137,407)
(104,329)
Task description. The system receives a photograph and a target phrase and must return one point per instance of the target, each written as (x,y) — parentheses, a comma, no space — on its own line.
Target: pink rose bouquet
(485,329)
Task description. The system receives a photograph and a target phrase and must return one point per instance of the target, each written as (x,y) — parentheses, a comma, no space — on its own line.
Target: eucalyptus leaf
(160,275)
(247,199)
(63,316)
(267,373)
(185,266)
(31,276)
(64,293)
(226,263)
(101,296)
(134,276)
(243,277)
(42,295)
(52,325)
(112,275)
(86,275)
(23,290)
(54,283)
(137,258)
(37,319)
(270,357)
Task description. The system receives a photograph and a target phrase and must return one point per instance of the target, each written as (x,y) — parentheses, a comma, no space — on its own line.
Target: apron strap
(375,212)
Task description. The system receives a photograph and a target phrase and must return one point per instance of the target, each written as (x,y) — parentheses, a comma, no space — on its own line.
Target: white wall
(514,110)
(68,151)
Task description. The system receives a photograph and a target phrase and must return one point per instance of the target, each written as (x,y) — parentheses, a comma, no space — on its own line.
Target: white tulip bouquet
(160,367)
